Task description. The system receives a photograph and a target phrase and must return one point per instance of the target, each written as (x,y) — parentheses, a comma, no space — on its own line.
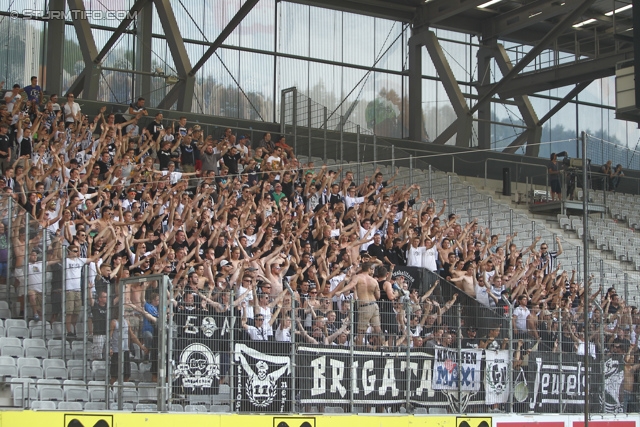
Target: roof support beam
(144,32)
(566,75)
(386,10)
(532,136)
(565,23)
(451,87)
(182,92)
(226,32)
(88,81)
(117,33)
(54,34)
(522,101)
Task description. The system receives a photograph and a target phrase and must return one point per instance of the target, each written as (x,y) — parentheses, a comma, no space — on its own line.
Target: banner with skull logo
(263,377)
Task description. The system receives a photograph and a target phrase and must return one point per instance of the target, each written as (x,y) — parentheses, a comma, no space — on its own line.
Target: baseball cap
(224,263)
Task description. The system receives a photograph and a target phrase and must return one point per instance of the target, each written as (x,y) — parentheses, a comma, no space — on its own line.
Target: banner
(445,371)
(329,375)
(613,378)
(263,377)
(414,277)
(555,385)
(496,377)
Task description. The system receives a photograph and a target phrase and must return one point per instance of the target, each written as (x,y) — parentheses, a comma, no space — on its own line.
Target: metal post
(309,128)
(293,348)
(294,116)
(232,348)
(170,329)
(283,109)
(585,242)
(430,182)
(408,314)
(546,186)
(358,151)
(354,370)
(491,211)
(468,201)
(578,266)
(511,222)
(510,379)
(25,268)
(453,164)
(393,158)
(411,169)
(162,344)
(626,286)
(562,338)
(449,192)
(64,302)
(485,172)
(105,353)
(518,177)
(45,286)
(375,152)
(85,283)
(120,349)
(324,120)
(533,231)
(459,364)
(341,143)
(9,249)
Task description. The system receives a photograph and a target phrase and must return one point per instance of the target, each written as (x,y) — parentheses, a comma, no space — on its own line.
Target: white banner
(496,377)
(445,370)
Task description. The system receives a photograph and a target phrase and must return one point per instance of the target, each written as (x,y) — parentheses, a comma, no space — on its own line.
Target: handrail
(486,169)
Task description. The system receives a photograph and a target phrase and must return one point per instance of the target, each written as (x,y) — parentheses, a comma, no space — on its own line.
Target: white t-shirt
(11,99)
(74,273)
(283,335)
(429,257)
(174,176)
(482,295)
(72,109)
(521,313)
(258,334)
(414,256)
(34,276)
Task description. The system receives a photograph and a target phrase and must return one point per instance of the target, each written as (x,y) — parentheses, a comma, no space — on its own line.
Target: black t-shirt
(164,157)
(154,129)
(396,256)
(231,161)
(376,251)
(25,147)
(99,314)
(4,146)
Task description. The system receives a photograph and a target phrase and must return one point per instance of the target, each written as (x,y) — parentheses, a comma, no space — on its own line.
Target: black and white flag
(262,381)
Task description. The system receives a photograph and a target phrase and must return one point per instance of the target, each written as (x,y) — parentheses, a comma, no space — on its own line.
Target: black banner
(558,385)
(330,375)
(262,377)
(613,376)
(414,277)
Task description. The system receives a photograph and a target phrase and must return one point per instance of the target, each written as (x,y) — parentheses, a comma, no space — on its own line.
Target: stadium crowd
(247,229)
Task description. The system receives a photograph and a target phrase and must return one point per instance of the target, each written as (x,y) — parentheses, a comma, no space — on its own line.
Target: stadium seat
(220,408)
(34,372)
(24,393)
(57,330)
(95,406)
(195,408)
(51,393)
(50,363)
(77,351)
(8,371)
(147,392)
(39,405)
(199,399)
(55,372)
(97,391)
(420,411)
(11,346)
(5,313)
(99,370)
(135,373)
(28,361)
(176,407)
(333,410)
(16,328)
(145,372)
(70,406)
(146,407)
(75,391)
(125,406)
(33,342)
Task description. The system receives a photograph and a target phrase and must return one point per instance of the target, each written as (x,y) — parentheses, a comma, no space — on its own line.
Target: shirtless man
(630,368)
(467,283)
(368,292)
